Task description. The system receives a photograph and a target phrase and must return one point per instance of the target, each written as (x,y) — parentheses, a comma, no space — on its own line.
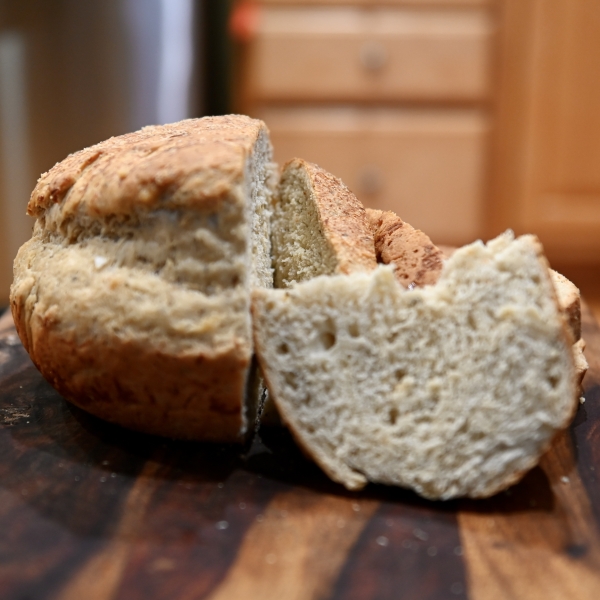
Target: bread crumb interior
(300,248)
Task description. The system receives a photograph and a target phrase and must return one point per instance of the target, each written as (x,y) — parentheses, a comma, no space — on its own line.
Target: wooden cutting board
(89,511)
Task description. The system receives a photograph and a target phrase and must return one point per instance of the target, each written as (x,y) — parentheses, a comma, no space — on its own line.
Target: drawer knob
(373,56)
(370,180)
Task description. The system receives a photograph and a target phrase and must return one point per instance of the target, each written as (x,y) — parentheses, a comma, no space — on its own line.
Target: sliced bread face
(455,389)
(133,295)
(417,262)
(319,227)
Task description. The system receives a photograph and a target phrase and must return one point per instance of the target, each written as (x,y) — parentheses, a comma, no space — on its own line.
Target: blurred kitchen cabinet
(467,117)
(546,154)
(349,54)
(379,2)
(425,164)
(393,97)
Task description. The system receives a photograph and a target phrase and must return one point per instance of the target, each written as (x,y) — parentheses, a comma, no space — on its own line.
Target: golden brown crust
(417,261)
(140,387)
(569,300)
(343,219)
(201,158)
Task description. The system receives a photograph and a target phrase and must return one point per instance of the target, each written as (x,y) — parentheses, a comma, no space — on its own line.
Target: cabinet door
(427,3)
(547,166)
(382,54)
(426,165)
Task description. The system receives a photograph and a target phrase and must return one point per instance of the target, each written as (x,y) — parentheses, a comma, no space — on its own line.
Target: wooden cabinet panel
(426,3)
(566,123)
(548,166)
(351,54)
(426,165)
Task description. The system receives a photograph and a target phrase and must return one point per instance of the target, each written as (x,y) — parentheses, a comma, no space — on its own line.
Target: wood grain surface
(91,511)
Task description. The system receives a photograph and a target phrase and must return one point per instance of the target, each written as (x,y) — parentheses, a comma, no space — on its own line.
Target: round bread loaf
(133,295)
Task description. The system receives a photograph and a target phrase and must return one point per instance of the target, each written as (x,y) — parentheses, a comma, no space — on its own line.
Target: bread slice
(133,295)
(319,227)
(416,260)
(454,389)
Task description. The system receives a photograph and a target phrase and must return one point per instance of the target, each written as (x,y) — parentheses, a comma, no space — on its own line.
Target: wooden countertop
(89,511)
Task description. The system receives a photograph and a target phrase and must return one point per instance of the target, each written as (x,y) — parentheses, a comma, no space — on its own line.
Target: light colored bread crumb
(454,389)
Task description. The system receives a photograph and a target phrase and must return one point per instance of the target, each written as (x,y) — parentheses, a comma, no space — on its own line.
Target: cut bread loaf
(319,226)
(454,389)
(133,295)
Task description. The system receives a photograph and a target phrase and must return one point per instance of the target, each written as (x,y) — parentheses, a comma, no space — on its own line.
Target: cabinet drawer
(385,54)
(426,165)
(427,3)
